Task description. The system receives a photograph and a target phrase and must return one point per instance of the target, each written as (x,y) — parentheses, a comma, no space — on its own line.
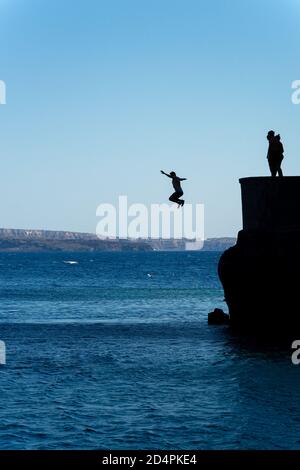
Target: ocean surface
(113,351)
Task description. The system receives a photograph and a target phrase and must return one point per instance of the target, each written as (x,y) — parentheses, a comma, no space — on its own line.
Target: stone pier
(261,273)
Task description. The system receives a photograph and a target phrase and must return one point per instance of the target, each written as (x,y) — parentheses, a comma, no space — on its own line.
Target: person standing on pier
(275,153)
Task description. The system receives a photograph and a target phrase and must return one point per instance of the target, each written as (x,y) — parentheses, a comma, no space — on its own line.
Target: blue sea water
(113,351)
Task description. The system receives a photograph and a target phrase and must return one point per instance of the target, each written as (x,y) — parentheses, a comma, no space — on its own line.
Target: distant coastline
(22,241)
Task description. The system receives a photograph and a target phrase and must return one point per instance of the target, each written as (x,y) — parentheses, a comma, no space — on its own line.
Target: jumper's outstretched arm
(163,173)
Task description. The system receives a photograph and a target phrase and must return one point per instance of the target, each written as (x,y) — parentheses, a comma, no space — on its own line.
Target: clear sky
(101,95)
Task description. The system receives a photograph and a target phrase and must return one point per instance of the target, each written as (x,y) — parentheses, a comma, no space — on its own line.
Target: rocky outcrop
(261,273)
(217,317)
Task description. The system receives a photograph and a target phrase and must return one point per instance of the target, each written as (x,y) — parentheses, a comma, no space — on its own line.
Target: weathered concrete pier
(261,273)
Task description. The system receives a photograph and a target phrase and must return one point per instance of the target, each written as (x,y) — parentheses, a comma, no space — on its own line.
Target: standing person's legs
(279,168)
(272,166)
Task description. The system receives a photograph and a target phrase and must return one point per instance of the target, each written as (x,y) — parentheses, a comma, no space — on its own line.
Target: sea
(113,351)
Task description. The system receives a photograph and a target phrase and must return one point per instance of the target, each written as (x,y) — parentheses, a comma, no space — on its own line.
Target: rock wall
(261,273)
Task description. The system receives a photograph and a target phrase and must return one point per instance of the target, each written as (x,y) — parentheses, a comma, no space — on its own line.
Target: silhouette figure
(275,153)
(175,197)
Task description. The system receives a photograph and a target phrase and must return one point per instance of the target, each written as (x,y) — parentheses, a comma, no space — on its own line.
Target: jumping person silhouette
(177,186)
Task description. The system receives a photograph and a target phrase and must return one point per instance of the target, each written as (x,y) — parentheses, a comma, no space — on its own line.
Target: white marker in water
(2,353)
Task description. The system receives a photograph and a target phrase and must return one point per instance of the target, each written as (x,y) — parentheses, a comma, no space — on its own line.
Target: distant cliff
(17,240)
(218,244)
(20,234)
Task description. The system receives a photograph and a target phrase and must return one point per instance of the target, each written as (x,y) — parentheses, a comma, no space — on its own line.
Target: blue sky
(103,94)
